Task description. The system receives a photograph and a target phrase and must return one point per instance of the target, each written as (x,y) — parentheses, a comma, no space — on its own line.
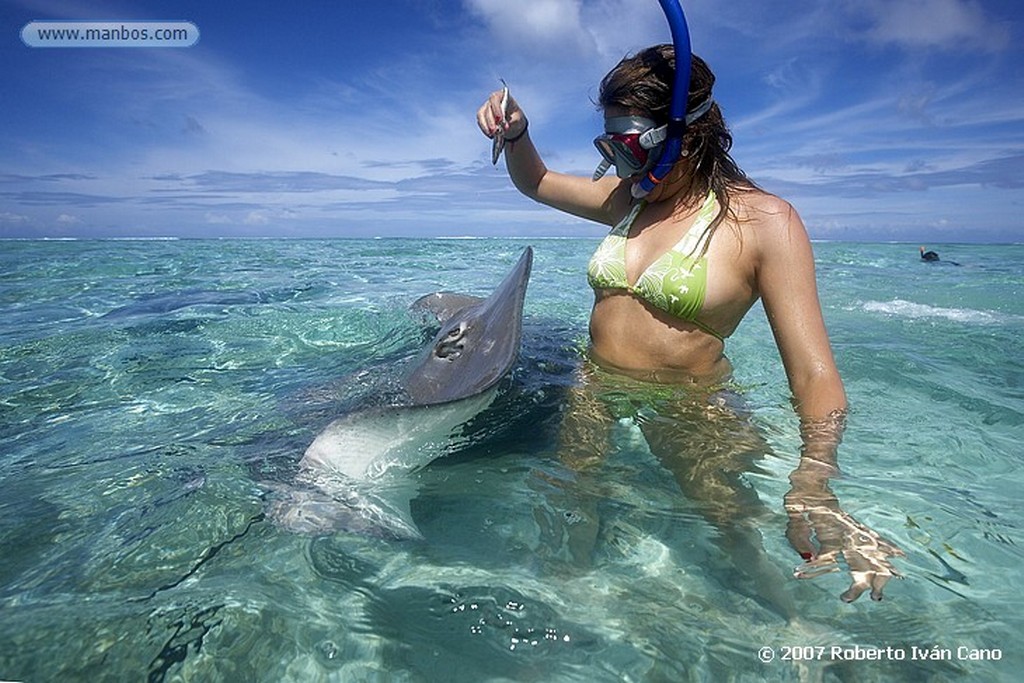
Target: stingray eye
(456,333)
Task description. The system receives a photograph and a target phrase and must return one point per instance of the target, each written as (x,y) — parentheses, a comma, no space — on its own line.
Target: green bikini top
(675,282)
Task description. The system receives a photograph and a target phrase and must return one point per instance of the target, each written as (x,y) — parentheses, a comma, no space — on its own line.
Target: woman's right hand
(490,117)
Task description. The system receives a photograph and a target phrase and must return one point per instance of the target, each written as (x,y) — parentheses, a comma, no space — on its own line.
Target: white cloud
(547,26)
(12,218)
(257,218)
(218,219)
(942,24)
(619,27)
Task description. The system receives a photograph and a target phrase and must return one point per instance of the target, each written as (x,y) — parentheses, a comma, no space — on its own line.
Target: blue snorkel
(680,95)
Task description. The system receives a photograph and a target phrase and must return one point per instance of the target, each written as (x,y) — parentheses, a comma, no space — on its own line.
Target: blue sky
(878,119)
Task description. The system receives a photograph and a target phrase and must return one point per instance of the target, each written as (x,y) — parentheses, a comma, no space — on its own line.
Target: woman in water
(677,273)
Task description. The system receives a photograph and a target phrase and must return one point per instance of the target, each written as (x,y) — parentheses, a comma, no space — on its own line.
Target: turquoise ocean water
(149,389)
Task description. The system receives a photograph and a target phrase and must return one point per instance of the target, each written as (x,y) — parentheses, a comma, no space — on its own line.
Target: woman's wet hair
(643,83)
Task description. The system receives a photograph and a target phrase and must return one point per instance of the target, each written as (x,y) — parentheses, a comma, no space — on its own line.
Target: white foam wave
(909,309)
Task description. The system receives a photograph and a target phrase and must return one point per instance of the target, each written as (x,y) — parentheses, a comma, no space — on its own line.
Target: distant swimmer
(928,255)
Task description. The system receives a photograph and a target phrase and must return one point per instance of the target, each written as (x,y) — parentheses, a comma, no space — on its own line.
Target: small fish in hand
(498,142)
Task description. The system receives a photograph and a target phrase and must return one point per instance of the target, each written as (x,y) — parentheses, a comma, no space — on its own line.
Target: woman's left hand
(868,556)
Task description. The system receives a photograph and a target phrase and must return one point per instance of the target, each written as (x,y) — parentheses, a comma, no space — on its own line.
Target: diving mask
(627,143)
(632,144)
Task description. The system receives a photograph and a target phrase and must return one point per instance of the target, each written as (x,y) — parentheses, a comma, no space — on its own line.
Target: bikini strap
(695,238)
(623,227)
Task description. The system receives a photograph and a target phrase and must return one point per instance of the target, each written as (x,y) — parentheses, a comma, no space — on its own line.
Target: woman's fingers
(490,116)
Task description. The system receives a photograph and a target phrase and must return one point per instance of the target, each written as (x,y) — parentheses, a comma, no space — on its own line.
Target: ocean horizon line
(517,238)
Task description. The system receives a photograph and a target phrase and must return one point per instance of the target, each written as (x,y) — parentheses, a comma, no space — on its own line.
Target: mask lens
(631,151)
(620,145)
(605,148)
(622,149)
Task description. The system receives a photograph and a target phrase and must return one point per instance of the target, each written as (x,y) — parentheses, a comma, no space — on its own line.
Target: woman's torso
(636,337)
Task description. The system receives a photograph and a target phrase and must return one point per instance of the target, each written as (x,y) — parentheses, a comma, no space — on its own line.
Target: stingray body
(353,471)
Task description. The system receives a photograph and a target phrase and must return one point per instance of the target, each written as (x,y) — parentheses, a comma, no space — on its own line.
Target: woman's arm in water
(818,529)
(786,282)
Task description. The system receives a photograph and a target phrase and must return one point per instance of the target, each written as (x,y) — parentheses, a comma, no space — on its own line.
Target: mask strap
(699,111)
(656,136)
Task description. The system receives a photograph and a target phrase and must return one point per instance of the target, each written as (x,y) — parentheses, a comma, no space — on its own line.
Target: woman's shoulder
(771,222)
(754,205)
